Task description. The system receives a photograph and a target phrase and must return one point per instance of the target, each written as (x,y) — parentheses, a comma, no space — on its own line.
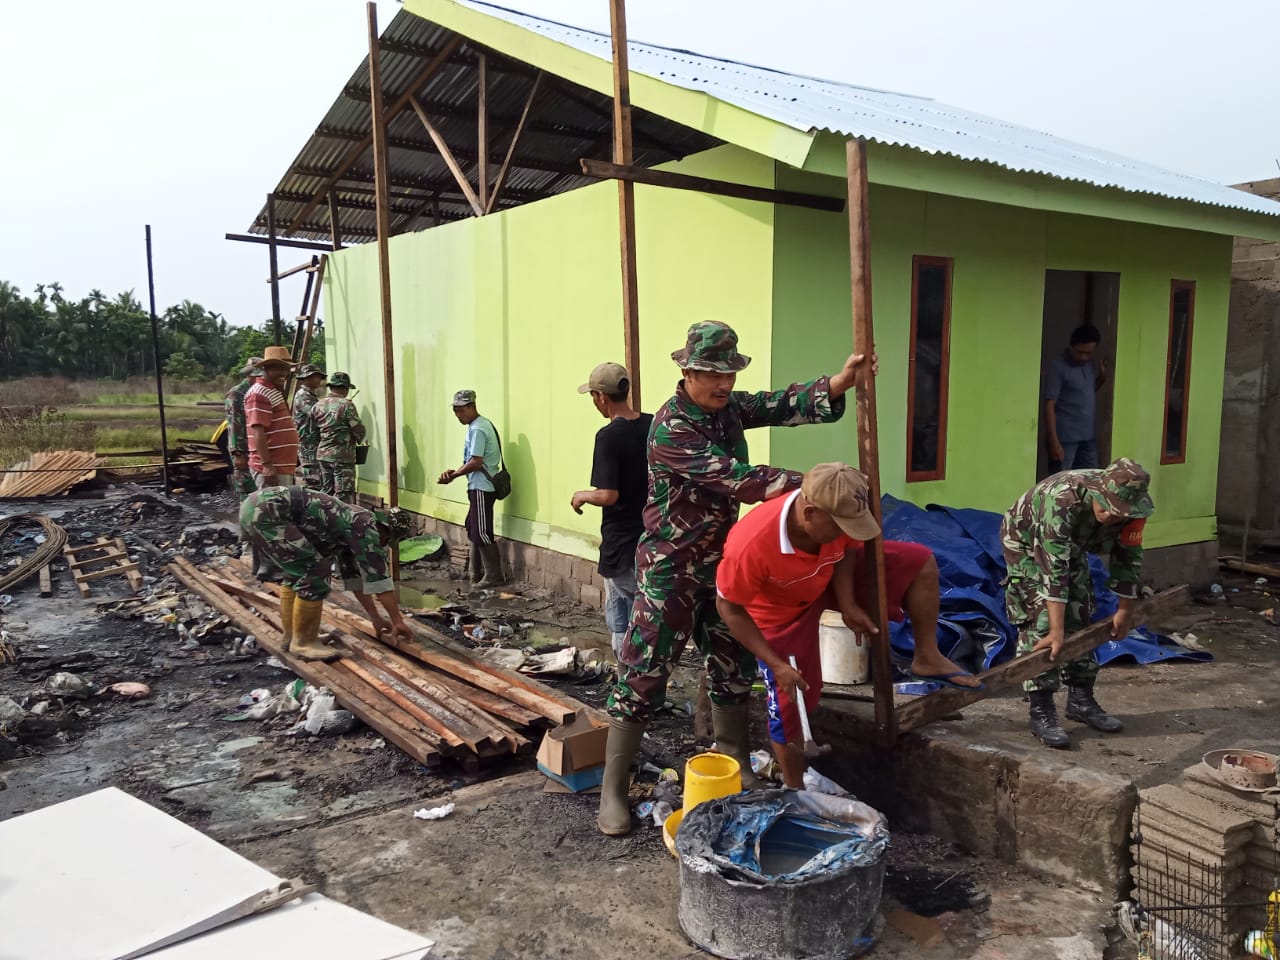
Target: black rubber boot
(492,567)
(733,737)
(614,818)
(476,564)
(1083,708)
(1044,721)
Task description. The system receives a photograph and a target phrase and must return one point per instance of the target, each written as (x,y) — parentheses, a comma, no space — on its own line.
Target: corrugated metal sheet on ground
(812,104)
(48,474)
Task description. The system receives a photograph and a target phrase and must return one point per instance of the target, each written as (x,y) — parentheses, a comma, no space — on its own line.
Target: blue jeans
(619,594)
(1075,456)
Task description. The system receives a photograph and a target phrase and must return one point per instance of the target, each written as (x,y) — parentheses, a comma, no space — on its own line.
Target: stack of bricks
(1205,844)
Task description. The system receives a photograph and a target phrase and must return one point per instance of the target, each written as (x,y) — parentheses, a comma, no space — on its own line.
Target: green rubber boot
(614,818)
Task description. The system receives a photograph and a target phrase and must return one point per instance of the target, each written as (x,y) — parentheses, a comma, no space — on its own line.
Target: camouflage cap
(340,379)
(712,346)
(464,398)
(1123,487)
(309,370)
(252,367)
(395,520)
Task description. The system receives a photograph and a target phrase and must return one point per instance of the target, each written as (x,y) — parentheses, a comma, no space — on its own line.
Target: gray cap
(252,367)
(464,398)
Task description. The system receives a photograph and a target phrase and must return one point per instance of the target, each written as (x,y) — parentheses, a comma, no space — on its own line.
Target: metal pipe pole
(275,269)
(155,349)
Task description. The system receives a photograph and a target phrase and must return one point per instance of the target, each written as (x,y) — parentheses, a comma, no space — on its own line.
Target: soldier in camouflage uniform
(698,475)
(238,431)
(339,428)
(1047,537)
(305,533)
(304,399)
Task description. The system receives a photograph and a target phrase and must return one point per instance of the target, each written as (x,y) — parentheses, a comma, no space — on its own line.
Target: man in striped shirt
(273,438)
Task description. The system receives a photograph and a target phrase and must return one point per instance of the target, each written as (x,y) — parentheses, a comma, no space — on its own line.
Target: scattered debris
(65,684)
(128,690)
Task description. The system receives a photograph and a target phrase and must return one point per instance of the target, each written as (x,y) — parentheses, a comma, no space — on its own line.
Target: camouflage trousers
(291,559)
(1077,616)
(242,484)
(661,627)
(338,480)
(309,475)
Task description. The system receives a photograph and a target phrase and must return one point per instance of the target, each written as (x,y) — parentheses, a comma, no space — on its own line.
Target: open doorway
(1073,298)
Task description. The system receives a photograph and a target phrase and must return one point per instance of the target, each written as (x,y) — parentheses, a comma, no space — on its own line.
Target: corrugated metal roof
(567,122)
(809,104)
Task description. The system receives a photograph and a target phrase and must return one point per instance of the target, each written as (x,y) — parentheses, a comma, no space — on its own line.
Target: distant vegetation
(96,337)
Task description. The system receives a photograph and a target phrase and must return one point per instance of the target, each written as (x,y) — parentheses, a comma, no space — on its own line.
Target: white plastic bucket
(844,653)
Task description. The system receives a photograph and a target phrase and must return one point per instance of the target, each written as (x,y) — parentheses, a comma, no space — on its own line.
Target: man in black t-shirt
(620,476)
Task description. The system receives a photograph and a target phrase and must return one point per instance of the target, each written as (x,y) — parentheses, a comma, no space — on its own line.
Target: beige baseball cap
(840,490)
(606,378)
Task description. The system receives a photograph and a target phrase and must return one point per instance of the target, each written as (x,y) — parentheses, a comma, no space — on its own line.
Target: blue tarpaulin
(972,627)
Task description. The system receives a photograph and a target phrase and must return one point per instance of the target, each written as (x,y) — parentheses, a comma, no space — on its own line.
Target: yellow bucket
(670,829)
(709,776)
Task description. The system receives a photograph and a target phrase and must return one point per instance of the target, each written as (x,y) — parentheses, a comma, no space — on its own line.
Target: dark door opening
(1073,298)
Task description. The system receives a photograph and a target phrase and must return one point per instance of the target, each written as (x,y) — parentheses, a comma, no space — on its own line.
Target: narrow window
(927,368)
(1177,381)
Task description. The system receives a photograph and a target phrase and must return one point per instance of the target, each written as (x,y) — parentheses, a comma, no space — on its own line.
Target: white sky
(185,115)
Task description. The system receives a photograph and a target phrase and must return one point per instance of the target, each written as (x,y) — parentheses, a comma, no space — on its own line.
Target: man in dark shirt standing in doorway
(620,476)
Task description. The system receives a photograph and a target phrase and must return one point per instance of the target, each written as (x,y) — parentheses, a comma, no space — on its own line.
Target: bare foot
(935,665)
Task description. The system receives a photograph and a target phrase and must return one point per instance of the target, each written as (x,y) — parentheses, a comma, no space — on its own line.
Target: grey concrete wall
(1249,465)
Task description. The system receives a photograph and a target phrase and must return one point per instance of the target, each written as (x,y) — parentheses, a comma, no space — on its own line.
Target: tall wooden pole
(383,204)
(868,439)
(335,228)
(482,134)
(275,268)
(622,154)
(155,349)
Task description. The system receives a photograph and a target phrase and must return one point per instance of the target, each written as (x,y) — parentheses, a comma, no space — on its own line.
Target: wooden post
(482,134)
(315,306)
(155,349)
(383,203)
(296,349)
(335,228)
(622,154)
(868,439)
(275,272)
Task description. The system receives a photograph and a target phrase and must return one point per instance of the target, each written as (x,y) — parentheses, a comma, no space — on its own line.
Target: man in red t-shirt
(273,436)
(793,557)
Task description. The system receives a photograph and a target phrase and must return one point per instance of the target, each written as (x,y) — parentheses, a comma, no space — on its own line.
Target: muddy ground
(514,872)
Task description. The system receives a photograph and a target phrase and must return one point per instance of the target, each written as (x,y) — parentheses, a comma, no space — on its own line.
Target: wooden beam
(275,268)
(315,306)
(335,225)
(723,188)
(280,242)
(309,265)
(447,156)
(46,581)
(501,181)
(864,341)
(482,133)
(923,710)
(426,73)
(384,271)
(623,156)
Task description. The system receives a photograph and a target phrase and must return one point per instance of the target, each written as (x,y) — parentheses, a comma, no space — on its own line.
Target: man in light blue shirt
(1070,404)
(481,459)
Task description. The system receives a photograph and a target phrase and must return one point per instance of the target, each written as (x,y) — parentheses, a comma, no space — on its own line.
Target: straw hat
(1250,770)
(277,355)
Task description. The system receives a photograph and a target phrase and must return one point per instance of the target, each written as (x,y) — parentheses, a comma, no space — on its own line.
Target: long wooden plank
(417,711)
(864,341)
(449,159)
(108,572)
(720,188)
(501,180)
(927,709)
(623,155)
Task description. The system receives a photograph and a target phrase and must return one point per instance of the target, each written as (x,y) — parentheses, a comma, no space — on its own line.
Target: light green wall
(1000,255)
(520,305)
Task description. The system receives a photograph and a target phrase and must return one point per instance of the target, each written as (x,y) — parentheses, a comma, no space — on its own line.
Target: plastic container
(844,653)
(710,776)
(669,831)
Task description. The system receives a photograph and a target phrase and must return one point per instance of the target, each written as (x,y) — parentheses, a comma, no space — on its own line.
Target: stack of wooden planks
(428,695)
(48,474)
(193,465)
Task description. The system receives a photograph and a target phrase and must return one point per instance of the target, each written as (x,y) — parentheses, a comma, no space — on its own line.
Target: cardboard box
(572,755)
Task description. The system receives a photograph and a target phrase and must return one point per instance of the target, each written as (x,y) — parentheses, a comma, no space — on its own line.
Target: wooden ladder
(111,552)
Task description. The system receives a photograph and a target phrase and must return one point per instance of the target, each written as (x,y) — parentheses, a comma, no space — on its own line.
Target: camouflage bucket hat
(309,370)
(712,346)
(340,379)
(1123,487)
(396,520)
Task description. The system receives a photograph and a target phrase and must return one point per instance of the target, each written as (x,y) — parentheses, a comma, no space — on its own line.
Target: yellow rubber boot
(287,597)
(306,632)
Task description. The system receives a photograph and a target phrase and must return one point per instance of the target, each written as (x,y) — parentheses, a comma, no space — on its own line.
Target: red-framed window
(927,368)
(1177,377)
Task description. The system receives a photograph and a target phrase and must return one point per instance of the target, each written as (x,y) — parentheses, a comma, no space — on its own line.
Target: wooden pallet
(111,552)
